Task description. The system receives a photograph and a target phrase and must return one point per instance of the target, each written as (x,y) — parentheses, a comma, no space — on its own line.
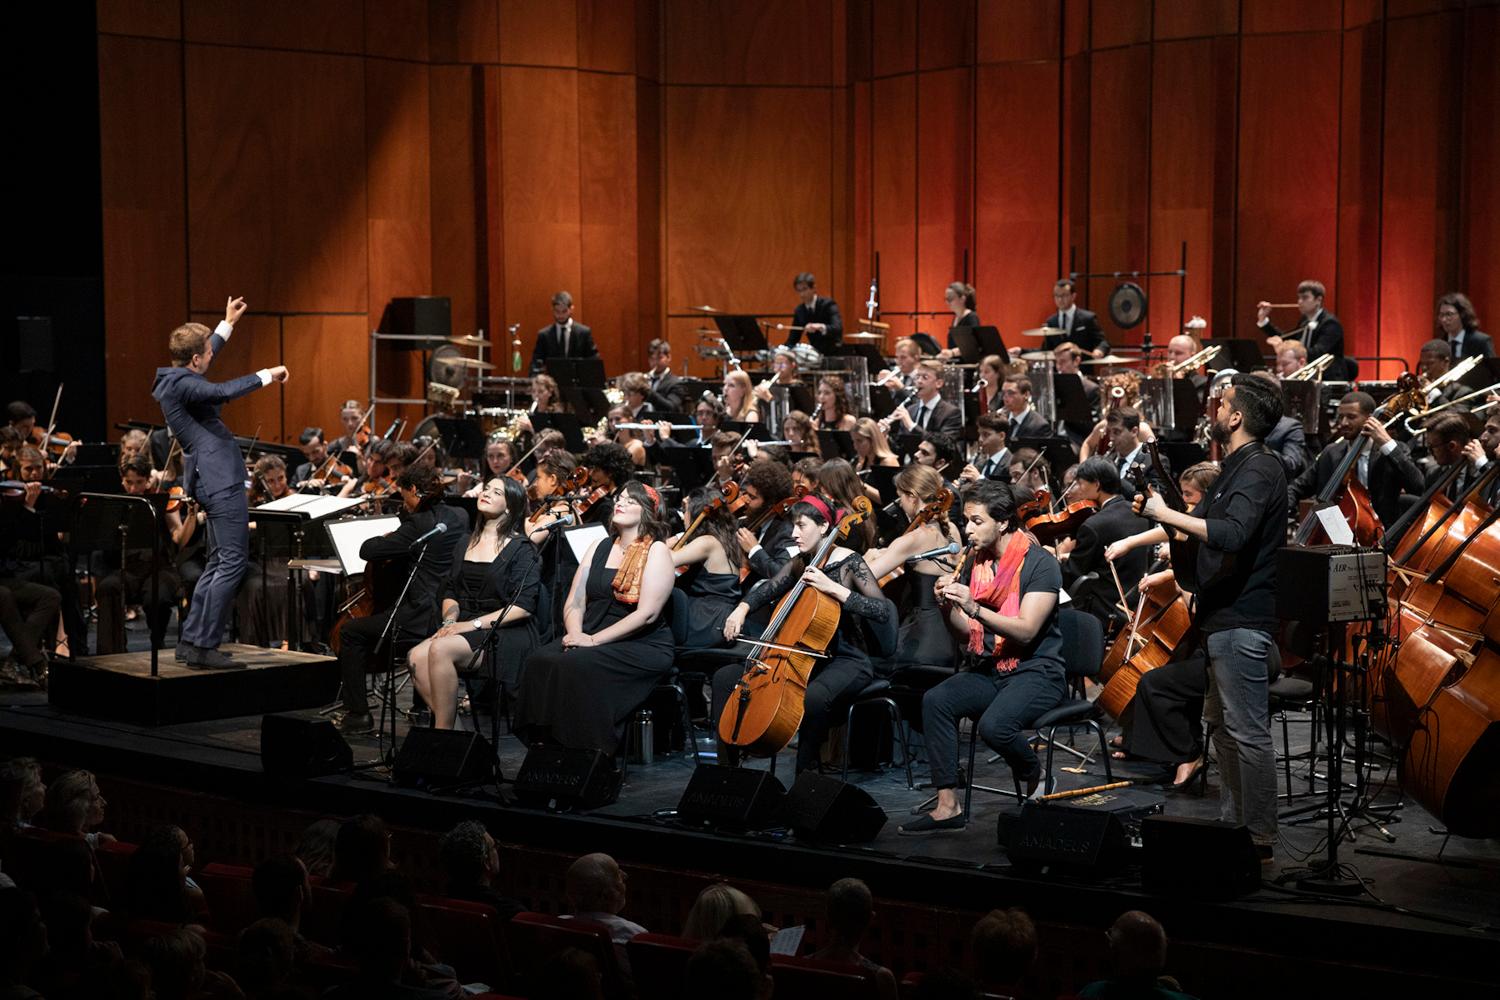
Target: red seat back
(469,938)
(533,938)
(324,916)
(814,979)
(113,860)
(231,896)
(658,965)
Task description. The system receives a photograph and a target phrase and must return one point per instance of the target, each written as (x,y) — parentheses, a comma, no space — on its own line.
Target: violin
(1056,524)
(938,506)
(765,709)
(777,509)
(16,488)
(729,494)
(53,445)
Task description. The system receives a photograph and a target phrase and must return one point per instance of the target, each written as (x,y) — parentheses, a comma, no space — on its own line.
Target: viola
(16,488)
(1049,528)
(53,444)
(765,709)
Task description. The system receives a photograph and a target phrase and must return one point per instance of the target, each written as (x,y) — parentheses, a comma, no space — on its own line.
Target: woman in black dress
(500,573)
(924,637)
(960,298)
(709,587)
(579,690)
(867,626)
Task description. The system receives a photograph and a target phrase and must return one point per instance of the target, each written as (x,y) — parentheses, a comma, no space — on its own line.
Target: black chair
(877,694)
(1083,655)
(1295,694)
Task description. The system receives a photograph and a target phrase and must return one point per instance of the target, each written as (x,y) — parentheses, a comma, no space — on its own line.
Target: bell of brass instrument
(1187,364)
(1312,371)
(1121,389)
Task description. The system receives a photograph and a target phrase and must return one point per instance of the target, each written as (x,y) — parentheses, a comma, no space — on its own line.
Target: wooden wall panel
(317,351)
(893,30)
(650,220)
(276,185)
(607,35)
(1017,194)
(1361,115)
(1277,16)
(1288,166)
(862,207)
(746,208)
(464,31)
(894,112)
(1480,219)
(1419,196)
(1194,18)
(945,204)
(1119,22)
(607,204)
(945,33)
(540,179)
(1119,146)
(397,28)
(1023,29)
(145,236)
(1075,88)
(539,32)
(310,25)
(139,17)
(455,98)
(767,43)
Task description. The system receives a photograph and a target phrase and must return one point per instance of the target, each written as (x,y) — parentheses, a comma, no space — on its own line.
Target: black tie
(922,416)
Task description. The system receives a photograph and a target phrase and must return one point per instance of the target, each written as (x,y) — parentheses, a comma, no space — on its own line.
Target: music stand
(969,351)
(691,467)
(106,521)
(1482,375)
(565,423)
(577,372)
(799,397)
(86,478)
(1057,452)
(757,430)
(883,479)
(285,534)
(1182,455)
(1302,400)
(1240,353)
(590,404)
(97,453)
(461,438)
(837,444)
(990,341)
(742,333)
(1072,399)
(925,342)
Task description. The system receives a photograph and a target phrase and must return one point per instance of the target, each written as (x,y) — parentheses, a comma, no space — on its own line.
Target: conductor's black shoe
(180,654)
(212,659)
(356,723)
(926,824)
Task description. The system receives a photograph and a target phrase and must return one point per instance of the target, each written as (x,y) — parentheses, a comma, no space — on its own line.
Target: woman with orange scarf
(1003,608)
(579,689)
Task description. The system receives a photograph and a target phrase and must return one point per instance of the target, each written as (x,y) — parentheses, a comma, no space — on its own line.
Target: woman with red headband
(867,626)
(617,643)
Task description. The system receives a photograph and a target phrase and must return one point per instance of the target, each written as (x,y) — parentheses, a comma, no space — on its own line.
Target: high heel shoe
(1186,784)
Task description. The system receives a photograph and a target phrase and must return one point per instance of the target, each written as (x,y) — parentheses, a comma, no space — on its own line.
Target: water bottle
(642,742)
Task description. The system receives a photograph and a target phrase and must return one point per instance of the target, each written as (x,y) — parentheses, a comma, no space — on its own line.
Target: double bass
(765,709)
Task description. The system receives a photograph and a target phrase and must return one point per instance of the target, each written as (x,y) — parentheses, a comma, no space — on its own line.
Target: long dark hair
(510,518)
(652,522)
(719,523)
(1465,309)
(838,481)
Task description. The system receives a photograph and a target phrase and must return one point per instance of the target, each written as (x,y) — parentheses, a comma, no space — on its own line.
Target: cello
(765,709)
(1156,629)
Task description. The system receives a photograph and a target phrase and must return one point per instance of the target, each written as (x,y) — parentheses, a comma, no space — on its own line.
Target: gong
(1127,305)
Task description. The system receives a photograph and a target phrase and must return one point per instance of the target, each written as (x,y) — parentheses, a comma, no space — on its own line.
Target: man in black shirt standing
(1238,527)
(818,317)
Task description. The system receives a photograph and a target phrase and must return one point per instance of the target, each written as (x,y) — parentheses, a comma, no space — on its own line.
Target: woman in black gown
(709,586)
(960,298)
(924,636)
(579,690)
(500,573)
(867,626)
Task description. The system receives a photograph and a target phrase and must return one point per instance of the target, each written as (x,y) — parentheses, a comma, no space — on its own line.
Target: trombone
(1312,371)
(1417,423)
(1187,364)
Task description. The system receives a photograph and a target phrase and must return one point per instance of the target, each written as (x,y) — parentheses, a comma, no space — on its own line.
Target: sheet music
(348,536)
(580,538)
(312,504)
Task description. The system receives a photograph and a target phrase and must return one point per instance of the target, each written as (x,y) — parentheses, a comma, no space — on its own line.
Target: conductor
(213,474)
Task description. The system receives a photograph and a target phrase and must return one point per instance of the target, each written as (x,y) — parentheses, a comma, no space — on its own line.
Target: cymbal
(470,341)
(1038,356)
(866,336)
(1044,331)
(875,323)
(1110,359)
(483,366)
(703,309)
(706,329)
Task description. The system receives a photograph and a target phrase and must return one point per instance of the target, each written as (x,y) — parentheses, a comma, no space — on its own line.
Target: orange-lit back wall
(323,157)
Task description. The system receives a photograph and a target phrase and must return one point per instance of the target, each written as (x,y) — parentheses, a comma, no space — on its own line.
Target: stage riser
(120,687)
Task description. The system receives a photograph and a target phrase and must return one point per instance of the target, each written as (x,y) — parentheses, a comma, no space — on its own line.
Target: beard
(1219,432)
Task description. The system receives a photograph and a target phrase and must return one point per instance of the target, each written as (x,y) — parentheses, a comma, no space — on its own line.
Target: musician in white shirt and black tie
(993,458)
(1077,324)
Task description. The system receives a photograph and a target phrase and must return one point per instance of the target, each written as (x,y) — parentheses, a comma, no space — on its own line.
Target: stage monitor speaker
(442,758)
(295,747)
(827,810)
(739,798)
(1091,833)
(557,777)
(427,316)
(1200,858)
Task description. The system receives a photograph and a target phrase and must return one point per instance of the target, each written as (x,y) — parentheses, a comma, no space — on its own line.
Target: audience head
(469,854)
(1004,946)
(595,884)
(713,908)
(723,969)
(266,957)
(73,803)
(177,964)
(22,791)
(379,937)
(848,908)
(362,849)
(315,847)
(156,889)
(570,974)
(1137,947)
(281,888)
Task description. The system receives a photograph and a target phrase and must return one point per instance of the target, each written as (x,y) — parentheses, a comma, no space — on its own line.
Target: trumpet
(1417,422)
(1312,371)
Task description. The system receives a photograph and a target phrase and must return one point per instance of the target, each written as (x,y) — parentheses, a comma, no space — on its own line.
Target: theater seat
(324,915)
(470,938)
(532,938)
(114,866)
(658,965)
(230,894)
(814,979)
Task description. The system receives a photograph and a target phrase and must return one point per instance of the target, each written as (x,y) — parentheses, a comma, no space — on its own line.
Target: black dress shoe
(357,723)
(212,659)
(925,824)
(180,653)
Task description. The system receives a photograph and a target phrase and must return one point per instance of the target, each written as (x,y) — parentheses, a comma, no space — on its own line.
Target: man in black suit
(1023,422)
(927,411)
(1121,438)
(563,338)
(1450,442)
(1077,325)
(994,457)
(818,317)
(666,393)
(1085,570)
(1385,468)
(1320,331)
(1461,327)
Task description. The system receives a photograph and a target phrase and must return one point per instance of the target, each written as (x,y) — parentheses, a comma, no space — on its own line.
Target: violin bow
(52,421)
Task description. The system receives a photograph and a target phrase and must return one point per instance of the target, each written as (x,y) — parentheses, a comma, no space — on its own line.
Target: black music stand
(969,351)
(577,372)
(1482,375)
(883,479)
(990,341)
(837,444)
(1057,452)
(800,397)
(925,342)
(565,423)
(109,520)
(1240,353)
(86,478)
(1072,399)
(588,403)
(742,333)
(461,438)
(691,467)
(286,534)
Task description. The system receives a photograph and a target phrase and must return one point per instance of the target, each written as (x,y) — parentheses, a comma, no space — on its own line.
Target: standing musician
(868,619)
(1078,325)
(498,573)
(1385,468)
(818,317)
(1086,572)
(959,297)
(563,337)
(1458,325)
(214,474)
(1015,401)
(579,689)
(1320,331)
(1239,526)
(666,393)
(418,614)
(923,639)
(1002,609)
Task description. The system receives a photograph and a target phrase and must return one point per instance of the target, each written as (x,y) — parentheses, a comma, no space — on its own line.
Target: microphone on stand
(428,535)
(562,522)
(951,549)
